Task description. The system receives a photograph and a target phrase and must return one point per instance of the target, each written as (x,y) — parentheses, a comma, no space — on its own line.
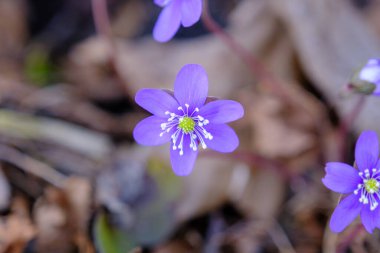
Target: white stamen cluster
(186,123)
(369,188)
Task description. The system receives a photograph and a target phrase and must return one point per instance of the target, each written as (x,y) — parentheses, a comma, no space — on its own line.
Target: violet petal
(147,132)
(346,211)
(168,22)
(367,150)
(183,164)
(376,92)
(191,86)
(224,138)
(371,71)
(341,177)
(191,11)
(222,111)
(162,3)
(370,219)
(156,101)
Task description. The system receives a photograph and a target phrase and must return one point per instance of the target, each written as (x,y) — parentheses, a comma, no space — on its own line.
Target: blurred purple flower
(362,186)
(367,80)
(175,13)
(185,120)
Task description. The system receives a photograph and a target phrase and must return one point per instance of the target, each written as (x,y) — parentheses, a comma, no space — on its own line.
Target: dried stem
(101,19)
(263,74)
(346,124)
(247,57)
(280,238)
(103,28)
(32,166)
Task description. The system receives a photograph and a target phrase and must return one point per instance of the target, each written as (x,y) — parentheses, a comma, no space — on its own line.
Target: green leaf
(109,239)
(38,68)
(169,184)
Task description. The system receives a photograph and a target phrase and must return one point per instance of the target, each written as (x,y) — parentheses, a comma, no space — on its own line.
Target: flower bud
(367,79)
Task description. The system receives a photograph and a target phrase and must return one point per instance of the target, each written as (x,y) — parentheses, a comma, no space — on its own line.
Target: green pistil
(371,185)
(187,125)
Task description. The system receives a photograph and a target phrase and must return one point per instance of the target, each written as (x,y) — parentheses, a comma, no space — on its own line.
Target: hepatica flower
(175,13)
(184,120)
(361,186)
(367,79)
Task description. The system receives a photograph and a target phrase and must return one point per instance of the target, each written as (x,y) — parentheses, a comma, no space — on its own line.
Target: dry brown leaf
(16,229)
(274,137)
(264,195)
(330,56)
(206,187)
(89,69)
(146,63)
(174,246)
(62,218)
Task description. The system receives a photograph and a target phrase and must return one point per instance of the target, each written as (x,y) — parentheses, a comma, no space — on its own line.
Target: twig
(271,227)
(329,240)
(255,65)
(31,166)
(103,28)
(101,19)
(280,239)
(84,141)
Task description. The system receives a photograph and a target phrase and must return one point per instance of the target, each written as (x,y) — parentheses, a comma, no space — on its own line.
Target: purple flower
(361,187)
(367,80)
(175,13)
(185,120)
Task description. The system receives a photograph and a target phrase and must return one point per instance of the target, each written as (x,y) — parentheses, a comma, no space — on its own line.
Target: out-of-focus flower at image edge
(186,121)
(361,185)
(367,79)
(175,13)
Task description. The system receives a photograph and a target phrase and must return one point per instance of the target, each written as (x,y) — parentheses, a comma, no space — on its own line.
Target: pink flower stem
(103,28)
(247,57)
(346,124)
(263,74)
(101,19)
(347,240)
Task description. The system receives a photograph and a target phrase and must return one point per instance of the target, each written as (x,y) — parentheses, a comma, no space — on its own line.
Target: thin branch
(101,18)
(280,238)
(31,166)
(247,57)
(103,28)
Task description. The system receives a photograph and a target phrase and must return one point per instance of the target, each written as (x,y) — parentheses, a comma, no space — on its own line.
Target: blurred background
(72,179)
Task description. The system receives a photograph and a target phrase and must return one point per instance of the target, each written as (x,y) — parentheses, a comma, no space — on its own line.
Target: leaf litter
(74,181)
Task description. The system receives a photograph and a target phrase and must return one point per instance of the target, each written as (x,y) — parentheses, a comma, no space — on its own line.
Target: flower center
(369,188)
(371,185)
(187,125)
